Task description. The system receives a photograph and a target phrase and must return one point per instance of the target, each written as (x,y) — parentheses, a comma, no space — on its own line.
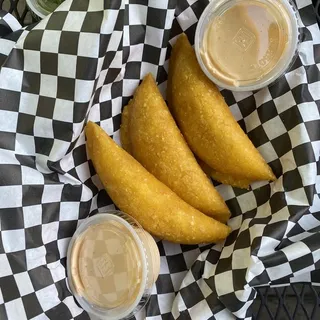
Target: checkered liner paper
(84,62)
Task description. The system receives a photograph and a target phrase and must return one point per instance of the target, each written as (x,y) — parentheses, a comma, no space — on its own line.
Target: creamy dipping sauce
(241,42)
(106,265)
(112,262)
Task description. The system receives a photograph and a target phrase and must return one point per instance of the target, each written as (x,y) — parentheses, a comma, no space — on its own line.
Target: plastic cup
(112,264)
(42,8)
(248,51)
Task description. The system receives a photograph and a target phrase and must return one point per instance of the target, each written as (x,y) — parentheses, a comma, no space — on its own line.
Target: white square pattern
(154,36)
(8,121)
(50,232)
(274,128)
(74,21)
(137,15)
(83,90)
(88,45)
(52,193)
(10,197)
(11,79)
(24,283)
(69,211)
(36,257)
(309,110)
(224,282)
(13,240)
(48,85)
(5,269)
(43,127)
(67,65)
(28,103)
(48,297)
(279,272)
(24,144)
(32,216)
(31,176)
(15,309)
(50,41)
(31,61)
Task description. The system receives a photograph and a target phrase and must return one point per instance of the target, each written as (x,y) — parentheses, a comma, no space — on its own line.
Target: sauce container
(112,264)
(244,45)
(41,8)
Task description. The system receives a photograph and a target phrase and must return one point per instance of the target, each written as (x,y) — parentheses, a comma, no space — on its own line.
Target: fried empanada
(151,135)
(137,192)
(124,129)
(206,121)
(224,178)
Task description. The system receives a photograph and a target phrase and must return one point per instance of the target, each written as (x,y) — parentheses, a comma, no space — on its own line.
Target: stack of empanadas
(156,177)
(151,135)
(137,192)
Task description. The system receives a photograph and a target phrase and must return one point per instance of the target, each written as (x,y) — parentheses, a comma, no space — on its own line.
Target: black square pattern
(66,88)
(9,100)
(31,194)
(31,82)
(69,42)
(11,175)
(92,22)
(151,54)
(86,68)
(43,145)
(40,277)
(156,18)
(164,284)
(176,263)
(45,107)
(12,219)
(50,212)
(56,20)
(17,261)
(31,305)
(33,237)
(247,106)
(25,124)
(33,40)
(13,292)
(49,63)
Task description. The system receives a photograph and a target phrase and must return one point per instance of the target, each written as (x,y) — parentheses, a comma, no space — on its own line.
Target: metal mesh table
(296,302)
(19,9)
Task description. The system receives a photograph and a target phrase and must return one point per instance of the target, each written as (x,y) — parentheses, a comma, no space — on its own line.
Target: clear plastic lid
(112,265)
(246,44)
(37,9)
(42,8)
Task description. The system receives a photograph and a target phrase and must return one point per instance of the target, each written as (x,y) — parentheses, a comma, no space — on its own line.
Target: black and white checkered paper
(84,62)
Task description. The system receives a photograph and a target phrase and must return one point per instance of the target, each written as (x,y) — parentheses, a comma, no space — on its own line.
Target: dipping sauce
(112,265)
(106,265)
(246,43)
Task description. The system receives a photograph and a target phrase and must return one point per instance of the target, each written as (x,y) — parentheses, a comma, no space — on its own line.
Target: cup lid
(246,44)
(37,9)
(108,265)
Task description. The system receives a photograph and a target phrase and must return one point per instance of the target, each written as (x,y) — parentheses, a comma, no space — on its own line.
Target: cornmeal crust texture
(137,192)
(207,123)
(224,178)
(151,135)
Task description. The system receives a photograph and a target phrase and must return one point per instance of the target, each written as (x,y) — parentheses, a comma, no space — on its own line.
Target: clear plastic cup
(244,45)
(42,8)
(112,264)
